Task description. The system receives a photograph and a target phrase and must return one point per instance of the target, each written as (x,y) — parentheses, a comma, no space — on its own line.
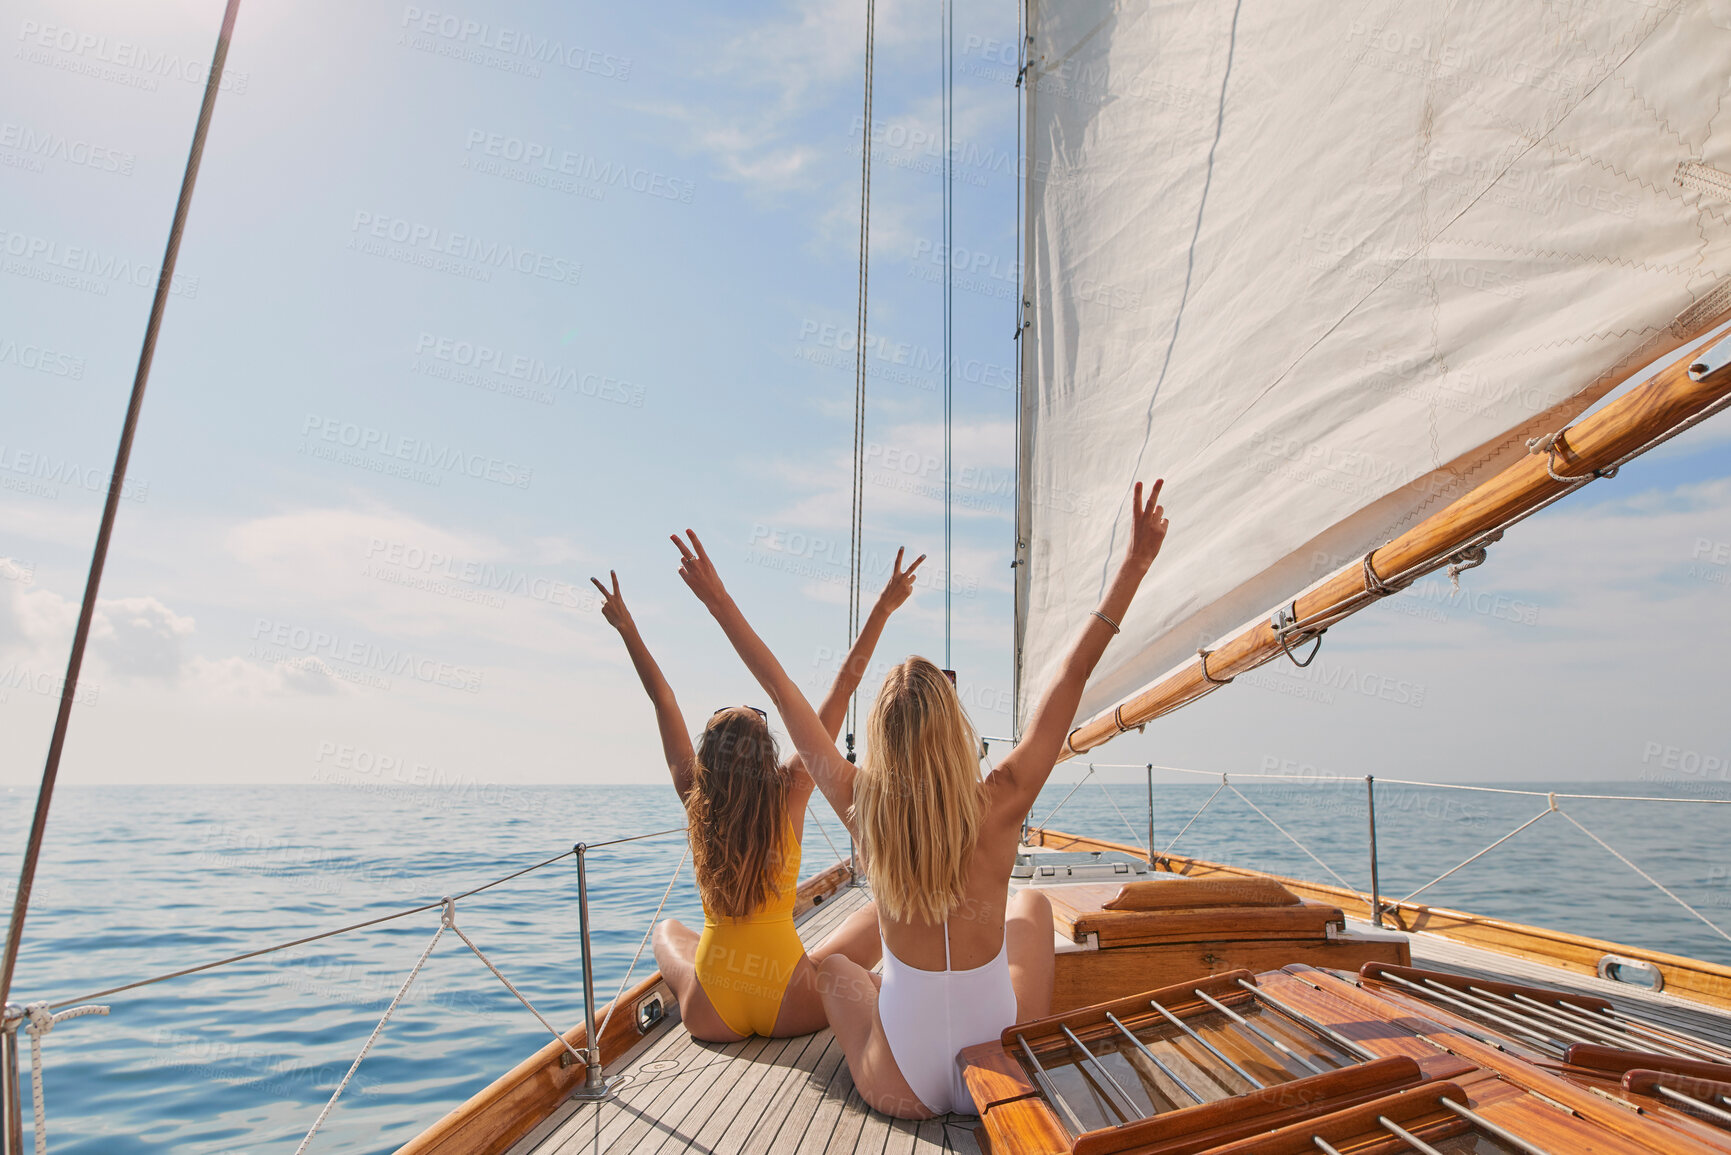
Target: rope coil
(38,1020)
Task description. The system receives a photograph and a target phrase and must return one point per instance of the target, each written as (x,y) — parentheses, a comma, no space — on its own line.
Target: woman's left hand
(613,605)
(901,584)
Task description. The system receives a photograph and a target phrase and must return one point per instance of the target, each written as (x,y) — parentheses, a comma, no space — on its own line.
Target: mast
(1690,389)
(99,557)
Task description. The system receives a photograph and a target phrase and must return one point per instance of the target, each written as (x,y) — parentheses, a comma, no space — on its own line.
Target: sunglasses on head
(753,709)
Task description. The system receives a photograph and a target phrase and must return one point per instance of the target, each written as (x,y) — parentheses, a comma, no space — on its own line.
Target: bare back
(976,927)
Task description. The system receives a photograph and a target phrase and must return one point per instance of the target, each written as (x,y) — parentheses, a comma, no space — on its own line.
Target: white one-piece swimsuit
(931,1016)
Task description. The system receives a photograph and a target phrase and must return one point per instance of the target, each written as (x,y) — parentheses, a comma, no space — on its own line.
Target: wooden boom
(1622,429)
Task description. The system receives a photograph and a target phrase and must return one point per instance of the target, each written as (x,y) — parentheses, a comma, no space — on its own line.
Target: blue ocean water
(141,880)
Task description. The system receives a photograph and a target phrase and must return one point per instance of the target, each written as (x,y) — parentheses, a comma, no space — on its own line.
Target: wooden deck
(768,1096)
(759,1096)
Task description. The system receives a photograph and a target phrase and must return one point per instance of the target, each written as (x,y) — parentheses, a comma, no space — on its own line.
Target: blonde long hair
(917,800)
(737,814)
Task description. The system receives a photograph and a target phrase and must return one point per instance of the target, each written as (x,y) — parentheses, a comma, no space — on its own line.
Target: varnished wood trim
(1254,1112)
(1376,970)
(1419,1110)
(1596,1109)
(1610,1060)
(1689,978)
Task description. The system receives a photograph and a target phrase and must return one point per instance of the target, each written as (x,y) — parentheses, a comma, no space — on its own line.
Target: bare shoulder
(1006,804)
(799,783)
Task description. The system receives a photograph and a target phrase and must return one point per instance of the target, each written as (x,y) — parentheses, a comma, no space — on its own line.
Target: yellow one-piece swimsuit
(744,964)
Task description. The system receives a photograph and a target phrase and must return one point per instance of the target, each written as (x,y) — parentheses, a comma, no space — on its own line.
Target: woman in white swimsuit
(961,961)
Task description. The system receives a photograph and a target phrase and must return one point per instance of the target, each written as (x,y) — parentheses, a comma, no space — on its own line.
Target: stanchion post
(1150,816)
(12,1125)
(594,1082)
(1370,810)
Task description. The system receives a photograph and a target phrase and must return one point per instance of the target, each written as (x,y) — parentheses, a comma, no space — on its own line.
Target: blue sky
(476,302)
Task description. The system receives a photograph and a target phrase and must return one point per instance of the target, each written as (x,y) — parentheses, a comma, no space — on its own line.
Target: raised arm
(675,741)
(1025,769)
(816,745)
(896,591)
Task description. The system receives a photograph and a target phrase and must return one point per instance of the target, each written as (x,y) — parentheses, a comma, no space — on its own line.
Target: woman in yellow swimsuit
(748,973)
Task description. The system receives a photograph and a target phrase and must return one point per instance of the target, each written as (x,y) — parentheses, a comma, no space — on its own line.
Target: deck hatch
(1177,1049)
(1546,1021)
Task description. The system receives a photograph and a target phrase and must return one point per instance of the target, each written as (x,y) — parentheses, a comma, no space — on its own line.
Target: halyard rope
(856,512)
(414,971)
(594,1045)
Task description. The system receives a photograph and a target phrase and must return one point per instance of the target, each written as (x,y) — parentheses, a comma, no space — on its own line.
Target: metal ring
(1316,649)
(1206,676)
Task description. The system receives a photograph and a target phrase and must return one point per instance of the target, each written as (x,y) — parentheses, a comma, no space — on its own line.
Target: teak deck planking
(759,1095)
(785,1095)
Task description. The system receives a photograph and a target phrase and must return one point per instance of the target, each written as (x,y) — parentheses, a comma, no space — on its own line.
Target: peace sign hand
(698,572)
(901,584)
(613,605)
(1147,526)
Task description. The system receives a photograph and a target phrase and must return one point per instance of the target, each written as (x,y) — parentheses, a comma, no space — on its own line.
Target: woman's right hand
(1147,527)
(613,605)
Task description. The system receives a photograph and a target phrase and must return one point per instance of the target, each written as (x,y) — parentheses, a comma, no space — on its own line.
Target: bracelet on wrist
(1115,627)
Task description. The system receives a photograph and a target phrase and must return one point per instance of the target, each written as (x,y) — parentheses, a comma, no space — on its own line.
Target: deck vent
(1634,971)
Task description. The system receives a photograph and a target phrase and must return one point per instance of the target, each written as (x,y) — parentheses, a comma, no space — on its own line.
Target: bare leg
(676,955)
(1028,933)
(851,999)
(802,1009)
(856,938)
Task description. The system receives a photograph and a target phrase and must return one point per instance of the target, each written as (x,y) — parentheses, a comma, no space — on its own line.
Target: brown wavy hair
(737,813)
(918,802)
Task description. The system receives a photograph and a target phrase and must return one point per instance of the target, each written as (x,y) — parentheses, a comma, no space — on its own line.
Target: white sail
(1323,267)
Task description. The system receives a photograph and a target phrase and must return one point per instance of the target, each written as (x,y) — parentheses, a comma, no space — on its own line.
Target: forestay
(1325,267)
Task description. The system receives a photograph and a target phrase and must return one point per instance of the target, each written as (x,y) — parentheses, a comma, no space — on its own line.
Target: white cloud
(904,477)
(767,77)
(139,636)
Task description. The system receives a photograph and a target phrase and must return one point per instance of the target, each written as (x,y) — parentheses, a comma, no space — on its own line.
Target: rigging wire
(110,507)
(855,528)
(1018,562)
(947,44)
